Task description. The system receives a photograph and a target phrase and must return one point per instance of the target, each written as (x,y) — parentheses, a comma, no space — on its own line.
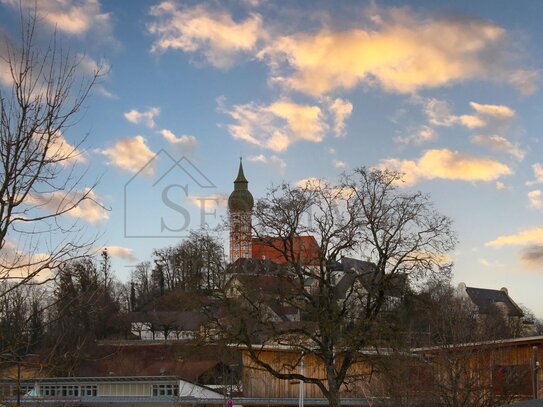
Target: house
(487,300)
(166,325)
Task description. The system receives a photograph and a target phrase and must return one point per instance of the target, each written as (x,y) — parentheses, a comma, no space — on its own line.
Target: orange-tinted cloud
(403,54)
(72,17)
(130,154)
(527,236)
(90,209)
(277,125)
(447,164)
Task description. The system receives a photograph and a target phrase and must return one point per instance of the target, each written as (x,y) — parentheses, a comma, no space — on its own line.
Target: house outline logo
(183,164)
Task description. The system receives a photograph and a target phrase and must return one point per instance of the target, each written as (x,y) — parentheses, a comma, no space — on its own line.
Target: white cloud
(439,113)
(340,164)
(538,174)
(499,143)
(525,80)
(209,203)
(60,150)
(500,186)
(186,143)
(89,209)
(130,154)
(276,162)
(74,17)
(536,199)
(341,111)
(447,164)
(422,135)
(277,125)
(212,32)
(499,112)
(121,252)
(147,117)
(310,183)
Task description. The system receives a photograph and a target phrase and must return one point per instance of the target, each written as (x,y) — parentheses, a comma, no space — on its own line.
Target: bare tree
(340,313)
(41,96)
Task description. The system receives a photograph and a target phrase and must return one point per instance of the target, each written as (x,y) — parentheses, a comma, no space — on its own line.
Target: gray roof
(486,299)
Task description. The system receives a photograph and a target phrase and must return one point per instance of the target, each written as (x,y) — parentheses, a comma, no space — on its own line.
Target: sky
(449,93)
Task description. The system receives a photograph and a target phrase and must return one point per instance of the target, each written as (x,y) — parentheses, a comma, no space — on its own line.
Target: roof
(268,284)
(394,284)
(486,298)
(170,359)
(306,249)
(252,266)
(240,199)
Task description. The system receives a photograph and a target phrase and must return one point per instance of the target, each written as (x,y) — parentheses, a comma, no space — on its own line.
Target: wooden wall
(257,382)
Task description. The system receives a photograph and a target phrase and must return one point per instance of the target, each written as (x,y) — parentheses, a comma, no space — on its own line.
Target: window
(89,390)
(165,390)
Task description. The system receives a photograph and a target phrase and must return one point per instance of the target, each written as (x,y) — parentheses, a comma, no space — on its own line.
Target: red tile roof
(306,250)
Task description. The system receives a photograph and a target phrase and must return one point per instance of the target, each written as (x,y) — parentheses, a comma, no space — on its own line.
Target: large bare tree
(42,91)
(399,234)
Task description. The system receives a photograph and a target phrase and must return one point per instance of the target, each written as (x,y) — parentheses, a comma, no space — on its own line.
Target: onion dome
(240,199)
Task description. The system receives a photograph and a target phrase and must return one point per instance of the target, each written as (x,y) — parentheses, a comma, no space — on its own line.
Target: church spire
(241,176)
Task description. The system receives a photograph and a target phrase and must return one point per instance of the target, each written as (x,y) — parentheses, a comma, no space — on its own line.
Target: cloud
(499,143)
(61,151)
(277,125)
(90,209)
(310,183)
(341,110)
(20,263)
(402,52)
(439,113)
(276,162)
(340,164)
(531,254)
(69,16)
(531,257)
(500,186)
(422,135)
(90,67)
(538,174)
(121,252)
(531,236)
(499,112)
(526,81)
(130,154)
(447,164)
(147,118)
(212,32)
(209,203)
(535,198)
(186,143)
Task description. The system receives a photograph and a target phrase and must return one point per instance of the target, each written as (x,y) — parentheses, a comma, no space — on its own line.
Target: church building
(242,243)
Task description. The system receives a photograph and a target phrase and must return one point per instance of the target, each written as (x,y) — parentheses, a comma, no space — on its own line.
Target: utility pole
(301,399)
(535,369)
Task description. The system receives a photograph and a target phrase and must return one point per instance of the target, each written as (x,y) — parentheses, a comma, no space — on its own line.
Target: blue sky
(447,93)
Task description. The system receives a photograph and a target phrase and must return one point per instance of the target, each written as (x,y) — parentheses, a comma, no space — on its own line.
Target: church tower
(240,207)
